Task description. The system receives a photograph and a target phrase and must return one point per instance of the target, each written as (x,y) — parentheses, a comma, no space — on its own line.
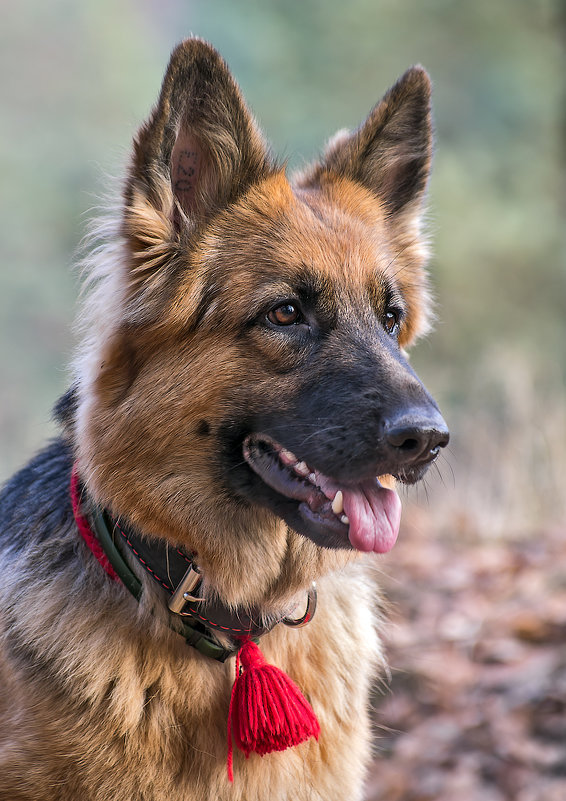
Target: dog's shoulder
(35,503)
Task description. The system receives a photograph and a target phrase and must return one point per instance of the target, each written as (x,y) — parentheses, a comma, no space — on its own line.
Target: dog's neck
(212,627)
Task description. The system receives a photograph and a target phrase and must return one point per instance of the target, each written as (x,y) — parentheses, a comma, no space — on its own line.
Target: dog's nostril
(409,441)
(410,444)
(414,442)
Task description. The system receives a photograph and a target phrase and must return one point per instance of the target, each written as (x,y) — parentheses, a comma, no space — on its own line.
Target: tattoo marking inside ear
(186,168)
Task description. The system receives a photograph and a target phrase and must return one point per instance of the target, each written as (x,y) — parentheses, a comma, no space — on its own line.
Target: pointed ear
(390,153)
(199,149)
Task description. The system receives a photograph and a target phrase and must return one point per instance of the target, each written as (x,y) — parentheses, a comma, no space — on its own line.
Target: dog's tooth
(312,478)
(302,469)
(287,457)
(344,519)
(338,503)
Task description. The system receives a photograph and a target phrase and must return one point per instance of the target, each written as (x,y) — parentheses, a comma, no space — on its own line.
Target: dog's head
(247,361)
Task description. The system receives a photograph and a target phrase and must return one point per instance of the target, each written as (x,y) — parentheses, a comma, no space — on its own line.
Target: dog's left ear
(390,154)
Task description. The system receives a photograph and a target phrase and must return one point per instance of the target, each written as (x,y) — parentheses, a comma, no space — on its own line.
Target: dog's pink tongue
(374,513)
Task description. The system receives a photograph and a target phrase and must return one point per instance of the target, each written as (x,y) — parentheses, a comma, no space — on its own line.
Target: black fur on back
(35,504)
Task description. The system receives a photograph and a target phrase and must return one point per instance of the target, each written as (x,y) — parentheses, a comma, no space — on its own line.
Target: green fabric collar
(196,635)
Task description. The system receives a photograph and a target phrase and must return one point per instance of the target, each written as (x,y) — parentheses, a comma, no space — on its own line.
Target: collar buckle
(184,592)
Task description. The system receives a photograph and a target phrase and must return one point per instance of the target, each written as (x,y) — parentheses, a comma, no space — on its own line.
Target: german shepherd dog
(240,409)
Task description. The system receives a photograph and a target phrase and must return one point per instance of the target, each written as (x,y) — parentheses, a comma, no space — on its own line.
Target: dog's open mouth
(365,516)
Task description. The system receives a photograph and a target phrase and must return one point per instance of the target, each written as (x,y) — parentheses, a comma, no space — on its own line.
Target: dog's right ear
(197,152)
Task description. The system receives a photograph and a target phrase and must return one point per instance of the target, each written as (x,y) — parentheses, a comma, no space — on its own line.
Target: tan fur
(129,711)
(157,715)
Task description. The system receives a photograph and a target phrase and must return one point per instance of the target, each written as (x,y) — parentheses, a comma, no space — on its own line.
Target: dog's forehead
(336,240)
(276,232)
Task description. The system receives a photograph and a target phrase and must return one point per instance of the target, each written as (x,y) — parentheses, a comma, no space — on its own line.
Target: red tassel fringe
(267,711)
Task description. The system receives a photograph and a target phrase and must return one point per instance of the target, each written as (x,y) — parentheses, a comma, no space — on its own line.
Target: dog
(240,409)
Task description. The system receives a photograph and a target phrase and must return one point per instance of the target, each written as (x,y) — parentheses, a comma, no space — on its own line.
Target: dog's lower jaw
(362,515)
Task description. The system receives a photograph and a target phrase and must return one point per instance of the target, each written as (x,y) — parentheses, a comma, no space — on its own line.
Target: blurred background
(76,81)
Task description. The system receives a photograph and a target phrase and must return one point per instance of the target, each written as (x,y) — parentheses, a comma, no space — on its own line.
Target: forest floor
(475,708)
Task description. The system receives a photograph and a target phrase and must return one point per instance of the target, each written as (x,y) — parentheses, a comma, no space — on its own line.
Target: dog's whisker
(446,461)
(400,253)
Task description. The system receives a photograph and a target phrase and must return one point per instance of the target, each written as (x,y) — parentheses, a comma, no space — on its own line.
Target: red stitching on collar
(170,589)
(85,530)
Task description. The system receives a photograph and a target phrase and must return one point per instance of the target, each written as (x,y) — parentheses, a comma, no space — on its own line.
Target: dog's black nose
(416,439)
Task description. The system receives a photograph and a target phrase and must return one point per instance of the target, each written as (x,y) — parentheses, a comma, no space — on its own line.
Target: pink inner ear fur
(186,168)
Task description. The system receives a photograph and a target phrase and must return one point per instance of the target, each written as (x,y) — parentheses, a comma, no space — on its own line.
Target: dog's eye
(285,314)
(391,321)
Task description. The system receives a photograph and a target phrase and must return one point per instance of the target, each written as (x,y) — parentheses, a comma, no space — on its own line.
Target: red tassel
(267,711)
